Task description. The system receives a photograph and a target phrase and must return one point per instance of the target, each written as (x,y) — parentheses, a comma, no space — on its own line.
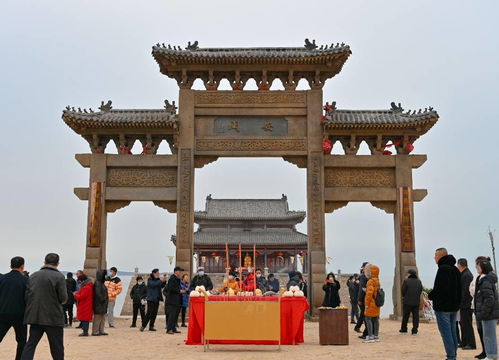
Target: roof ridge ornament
(105,107)
(396,108)
(194,46)
(170,107)
(310,45)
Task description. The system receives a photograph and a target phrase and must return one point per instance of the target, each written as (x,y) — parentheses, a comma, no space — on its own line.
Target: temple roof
(119,118)
(248,209)
(269,237)
(192,54)
(393,118)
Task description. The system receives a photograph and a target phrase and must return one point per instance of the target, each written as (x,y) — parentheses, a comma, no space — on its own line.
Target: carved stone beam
(263,81)
(112,206)
(377,145)
(185,81)
(300,161)
(401,149)
(289,82)
(316,81)
(170,206)
(388,206)
(200,160)
(97,143)
(351,147)
(150,144)
(236,81)
(213,82)
(331,206)
(173,143)
(124,144)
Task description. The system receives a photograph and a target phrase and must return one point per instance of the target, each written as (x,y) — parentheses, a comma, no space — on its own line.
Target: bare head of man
(440,253)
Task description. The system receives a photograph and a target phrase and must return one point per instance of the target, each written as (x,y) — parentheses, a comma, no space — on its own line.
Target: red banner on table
(292,319)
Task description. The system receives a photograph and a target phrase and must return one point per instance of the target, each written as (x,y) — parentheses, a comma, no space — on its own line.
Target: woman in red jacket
(85,298)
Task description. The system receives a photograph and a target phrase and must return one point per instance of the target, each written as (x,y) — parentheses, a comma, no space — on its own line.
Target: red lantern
(280,253)
(213,254)
(409,147)
(327,146)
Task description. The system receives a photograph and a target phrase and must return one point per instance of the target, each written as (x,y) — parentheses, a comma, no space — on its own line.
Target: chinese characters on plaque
(250,126)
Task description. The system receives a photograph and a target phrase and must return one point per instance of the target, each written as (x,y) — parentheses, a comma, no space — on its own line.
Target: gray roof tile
(289,237)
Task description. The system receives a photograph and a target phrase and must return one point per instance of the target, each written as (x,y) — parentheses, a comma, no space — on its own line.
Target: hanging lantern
(292,259)
(217,258)
(409,147)
(328,259)
(280,254)
(170,259)
(203,259)
(327,146)
(213,254)
(271,261)
(301,259)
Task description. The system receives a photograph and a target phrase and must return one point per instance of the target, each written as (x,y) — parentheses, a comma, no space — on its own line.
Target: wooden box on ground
(333,326)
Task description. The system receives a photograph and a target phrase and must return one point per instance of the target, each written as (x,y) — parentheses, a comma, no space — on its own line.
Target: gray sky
(426,53)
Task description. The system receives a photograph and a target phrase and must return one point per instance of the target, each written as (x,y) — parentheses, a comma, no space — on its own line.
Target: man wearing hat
(174,300)
(361,298)
(411,294)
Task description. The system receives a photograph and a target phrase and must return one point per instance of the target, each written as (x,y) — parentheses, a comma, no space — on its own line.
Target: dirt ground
(125,343)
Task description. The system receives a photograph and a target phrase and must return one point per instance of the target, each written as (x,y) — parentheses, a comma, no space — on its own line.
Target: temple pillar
(185,182)
(95,251)
(405,249)
(315,199)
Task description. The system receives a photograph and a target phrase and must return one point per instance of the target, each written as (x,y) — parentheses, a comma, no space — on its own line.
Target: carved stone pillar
(405,252)
(95,253)
(315,200)
(185,182)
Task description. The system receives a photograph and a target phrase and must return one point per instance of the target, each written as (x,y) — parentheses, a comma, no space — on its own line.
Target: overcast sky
(421,53)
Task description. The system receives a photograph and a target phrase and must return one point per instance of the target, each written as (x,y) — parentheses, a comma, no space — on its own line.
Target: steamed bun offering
(194,293)
(287,293)
(298,293)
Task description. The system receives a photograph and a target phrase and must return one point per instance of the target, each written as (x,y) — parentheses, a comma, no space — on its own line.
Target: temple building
(266,223)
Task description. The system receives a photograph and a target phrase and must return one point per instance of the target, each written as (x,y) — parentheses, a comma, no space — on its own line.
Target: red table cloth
(292,318)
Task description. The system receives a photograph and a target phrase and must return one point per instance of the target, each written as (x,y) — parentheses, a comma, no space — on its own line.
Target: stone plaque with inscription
(250,126)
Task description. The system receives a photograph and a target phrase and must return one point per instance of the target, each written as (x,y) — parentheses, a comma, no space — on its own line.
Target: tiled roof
(248,209)
(194,54)
(394,118)
(120,118)
(250,238)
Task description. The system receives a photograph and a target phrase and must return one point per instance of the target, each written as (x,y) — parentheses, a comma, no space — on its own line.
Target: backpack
(379,299)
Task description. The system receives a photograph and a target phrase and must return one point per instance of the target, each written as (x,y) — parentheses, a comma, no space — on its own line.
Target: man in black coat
(201,279)
(446,298)
(465,312)
(138,295)
(69,306)
(45,294)
(411,296)
(174,300)
(353,291)
(361,296)
(12,303)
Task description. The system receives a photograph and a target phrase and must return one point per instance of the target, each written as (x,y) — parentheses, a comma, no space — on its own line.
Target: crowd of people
(46,299)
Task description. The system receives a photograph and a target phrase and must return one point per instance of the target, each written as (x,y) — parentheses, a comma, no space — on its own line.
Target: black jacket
(294,280)
(100,293)
(173,290)
(12,291)
(446,293)
(138,293)
(154,289)
(332,296)
(353,290)
(486,302)
(273,285)
(361,295)
(201,281)
(71,288)
(411,291)
(466,298)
